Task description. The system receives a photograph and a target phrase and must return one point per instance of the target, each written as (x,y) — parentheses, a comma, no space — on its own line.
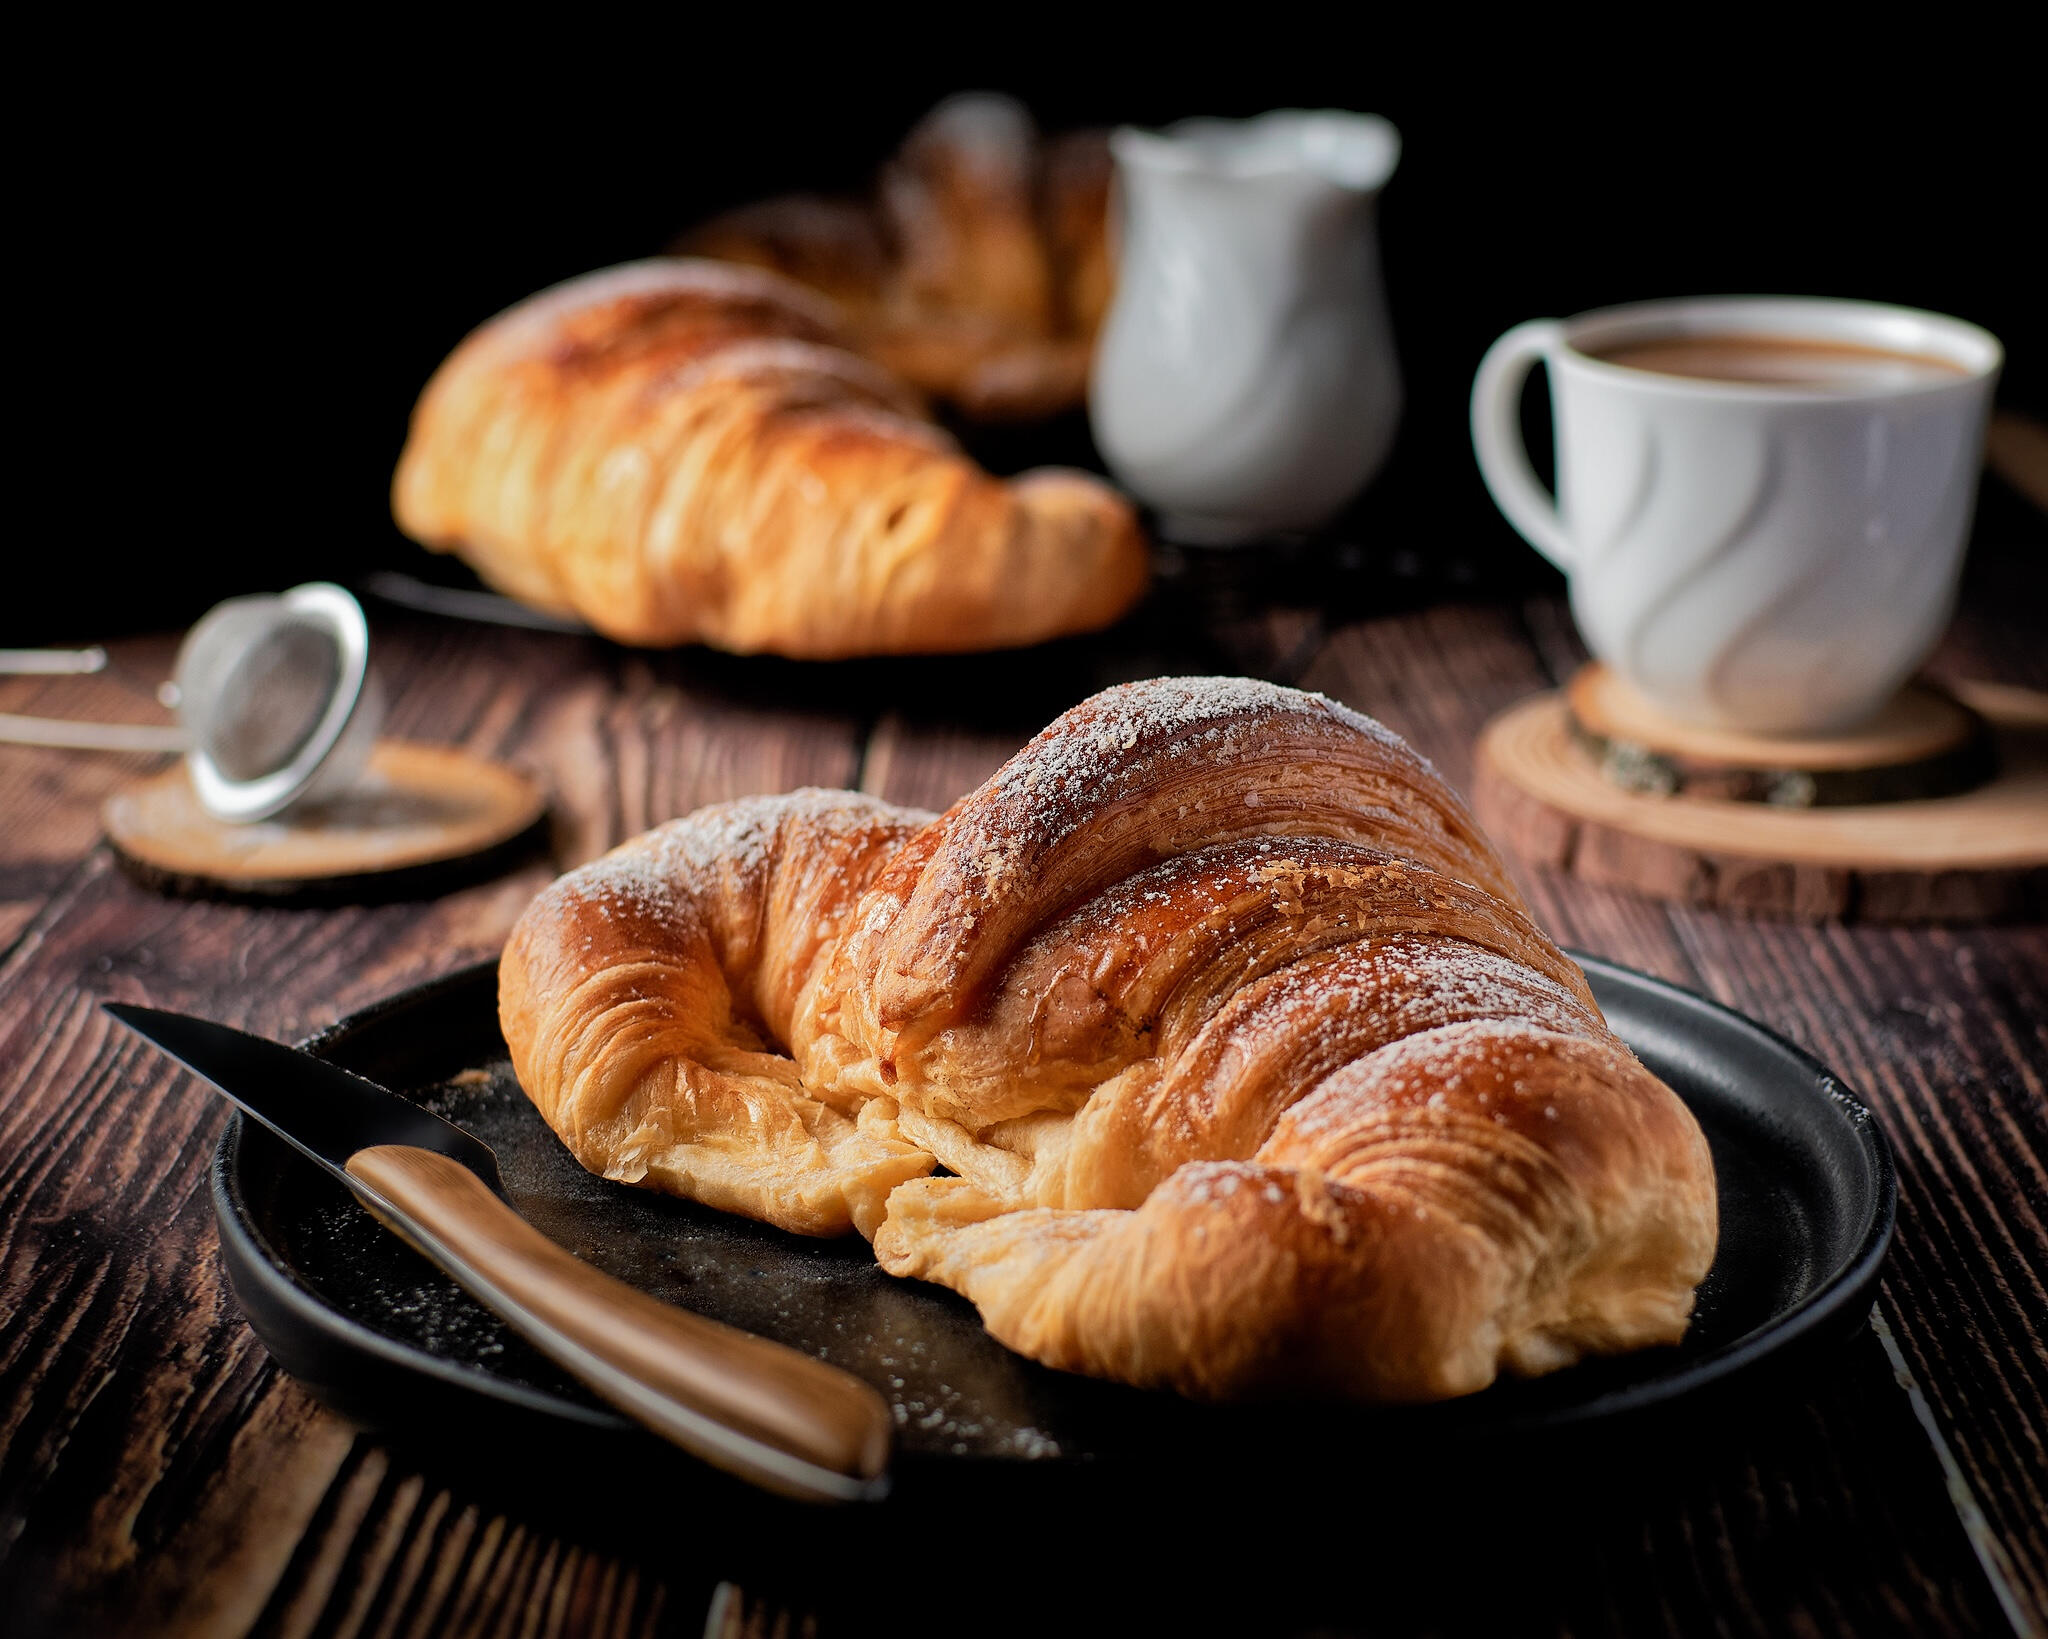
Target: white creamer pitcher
(1245,383)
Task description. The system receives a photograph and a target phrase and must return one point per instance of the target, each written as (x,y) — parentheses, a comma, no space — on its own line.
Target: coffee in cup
(1761,502)
(1780,361)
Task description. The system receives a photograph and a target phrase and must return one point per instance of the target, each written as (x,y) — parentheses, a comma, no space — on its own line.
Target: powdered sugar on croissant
(1246,1068)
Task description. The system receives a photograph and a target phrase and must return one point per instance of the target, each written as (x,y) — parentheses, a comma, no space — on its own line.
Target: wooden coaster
(1979,854)
(1925,743)
(421,819)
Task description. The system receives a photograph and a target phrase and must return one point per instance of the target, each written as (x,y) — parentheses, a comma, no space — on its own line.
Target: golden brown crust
(1250,1079)
(979,270)
(1144,773)
(642,995)
(1553,1201)
(681,451)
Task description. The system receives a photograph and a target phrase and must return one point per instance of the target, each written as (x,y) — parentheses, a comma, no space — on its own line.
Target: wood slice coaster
(1975,855)
(422,819)
(1925,743)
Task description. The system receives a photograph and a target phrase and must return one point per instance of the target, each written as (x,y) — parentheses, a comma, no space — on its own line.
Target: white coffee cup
(1754,555)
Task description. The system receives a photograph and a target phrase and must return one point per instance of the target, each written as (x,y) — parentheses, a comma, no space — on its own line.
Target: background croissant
(1249,1069)
(682,451)
(979,268)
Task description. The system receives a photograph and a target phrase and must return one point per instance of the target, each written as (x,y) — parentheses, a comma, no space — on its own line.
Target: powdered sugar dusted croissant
(682,451)
(1248,1067)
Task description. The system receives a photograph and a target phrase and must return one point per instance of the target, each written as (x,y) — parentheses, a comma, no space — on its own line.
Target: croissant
(1247,1068)
(979,270)
(681,451)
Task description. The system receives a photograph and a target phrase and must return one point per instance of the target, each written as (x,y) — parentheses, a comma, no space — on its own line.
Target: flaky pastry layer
(1206,1046)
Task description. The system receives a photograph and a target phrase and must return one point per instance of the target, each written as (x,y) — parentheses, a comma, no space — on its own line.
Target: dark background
(247,253)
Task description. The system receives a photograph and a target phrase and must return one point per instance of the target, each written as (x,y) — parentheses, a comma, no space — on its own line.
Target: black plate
(1807,1200)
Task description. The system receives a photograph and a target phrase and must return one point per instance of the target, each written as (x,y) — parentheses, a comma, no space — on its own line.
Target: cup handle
(1497,436)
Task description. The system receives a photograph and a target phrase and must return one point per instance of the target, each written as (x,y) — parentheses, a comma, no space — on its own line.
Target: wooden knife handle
(754,1408)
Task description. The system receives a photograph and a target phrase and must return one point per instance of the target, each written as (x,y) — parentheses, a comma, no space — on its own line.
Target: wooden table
(158,1474)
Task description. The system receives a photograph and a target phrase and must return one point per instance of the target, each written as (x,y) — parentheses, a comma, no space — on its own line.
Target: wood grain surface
(419,814)
(159,1475)
(1924,743)
(1975,854)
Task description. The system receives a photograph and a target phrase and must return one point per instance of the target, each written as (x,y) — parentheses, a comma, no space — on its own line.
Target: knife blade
(780,1419)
